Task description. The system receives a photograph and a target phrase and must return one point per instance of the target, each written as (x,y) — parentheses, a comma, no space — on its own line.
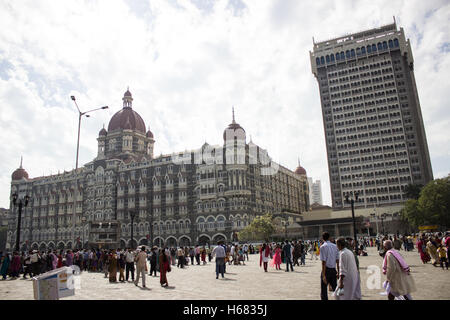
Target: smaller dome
(149,134)
(127,93)
(300,170)
(102,132)
(19,174)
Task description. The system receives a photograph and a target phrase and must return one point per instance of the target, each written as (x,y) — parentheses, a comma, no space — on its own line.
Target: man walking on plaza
(288,256)
(297,250)
(180,255)
(348,273)
(302,253)
(129,266)
(219,253)
(329,255)
(141,266)
(399,280)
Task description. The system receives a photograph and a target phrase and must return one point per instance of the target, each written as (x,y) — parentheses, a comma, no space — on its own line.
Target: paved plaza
(241,282)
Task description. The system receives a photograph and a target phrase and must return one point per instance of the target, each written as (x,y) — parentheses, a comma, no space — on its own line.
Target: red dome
(102,132)
(300,170)
(19,174)
(149,134)
(127,118)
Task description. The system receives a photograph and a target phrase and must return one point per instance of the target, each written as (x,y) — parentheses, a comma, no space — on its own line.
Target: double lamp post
(80,114)
(19,203)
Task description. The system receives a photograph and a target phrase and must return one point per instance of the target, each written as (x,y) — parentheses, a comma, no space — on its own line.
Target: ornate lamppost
(19,203)
(132,215)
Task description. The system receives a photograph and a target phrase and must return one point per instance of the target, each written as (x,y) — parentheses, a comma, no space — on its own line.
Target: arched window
(332,57)
(369,49)
(363,50)
(201,223)
(322,60)
(358,51)
(391,44)
(210,223)
(384,45)
(342,55)
(395,42)
(380,46)
(327,58)
(347,54)
(338,57)
(220,222)
(352,52)
(374,48)
(317,63)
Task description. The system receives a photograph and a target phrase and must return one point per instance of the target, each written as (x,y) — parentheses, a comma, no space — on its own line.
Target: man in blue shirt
(329,255)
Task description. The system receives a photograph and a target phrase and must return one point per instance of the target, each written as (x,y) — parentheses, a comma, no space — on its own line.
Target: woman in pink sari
(277,258)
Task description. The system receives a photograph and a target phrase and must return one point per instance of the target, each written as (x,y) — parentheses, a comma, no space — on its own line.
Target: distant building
(315,191)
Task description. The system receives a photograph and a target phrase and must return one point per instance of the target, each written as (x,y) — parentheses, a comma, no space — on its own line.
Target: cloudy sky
(187,62)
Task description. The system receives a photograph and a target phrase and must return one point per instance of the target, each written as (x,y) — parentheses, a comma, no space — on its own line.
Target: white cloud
(186,64)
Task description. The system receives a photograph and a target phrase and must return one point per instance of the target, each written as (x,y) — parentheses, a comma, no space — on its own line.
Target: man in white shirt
(141,266)
(219,253)
(329,255)
(129,260)
(245,249)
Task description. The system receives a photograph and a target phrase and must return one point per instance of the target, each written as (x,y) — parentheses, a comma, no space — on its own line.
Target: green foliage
(412,191)
(262,227)
(434,201)
(432,206)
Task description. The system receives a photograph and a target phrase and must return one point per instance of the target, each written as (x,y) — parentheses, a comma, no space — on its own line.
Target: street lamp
(132,215)
(80,114)
(286,223)
(20,203)
(352,202)
(83,221)
(383,216)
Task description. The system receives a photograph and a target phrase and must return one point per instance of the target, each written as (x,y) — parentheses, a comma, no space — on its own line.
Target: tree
(412,191)
(412,214)
(262,227)
(434,202)
(432,206)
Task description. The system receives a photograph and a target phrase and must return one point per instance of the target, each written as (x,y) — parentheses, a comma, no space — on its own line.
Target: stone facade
(186,198)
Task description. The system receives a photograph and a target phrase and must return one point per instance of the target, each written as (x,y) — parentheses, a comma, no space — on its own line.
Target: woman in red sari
(164,267)
(59,264)
(203,255)
(421,247)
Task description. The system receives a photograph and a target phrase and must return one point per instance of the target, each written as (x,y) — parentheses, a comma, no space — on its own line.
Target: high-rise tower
(375,137)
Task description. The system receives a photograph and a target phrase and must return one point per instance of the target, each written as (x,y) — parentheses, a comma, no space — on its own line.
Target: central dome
(127,118)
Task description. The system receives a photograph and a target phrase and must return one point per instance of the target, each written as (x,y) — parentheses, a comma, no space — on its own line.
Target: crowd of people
(338,257)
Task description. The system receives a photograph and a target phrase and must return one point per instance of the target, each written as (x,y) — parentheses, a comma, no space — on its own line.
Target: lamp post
(132,215)
(83,221)
(352,202)
(80,114)
(20,203)
(383,216)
